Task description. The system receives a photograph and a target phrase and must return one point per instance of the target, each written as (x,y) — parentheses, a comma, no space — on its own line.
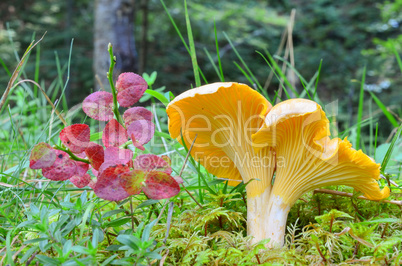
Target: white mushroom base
(266,218)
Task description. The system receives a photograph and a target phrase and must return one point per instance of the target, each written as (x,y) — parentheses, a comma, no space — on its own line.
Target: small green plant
(117,176)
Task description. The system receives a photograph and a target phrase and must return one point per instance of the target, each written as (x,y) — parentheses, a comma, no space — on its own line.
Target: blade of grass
(217,54)
(60,75)
(255,81)
(383,108)
(387,156)
(181,37)
(16,72)
(197,165)
(213,63)
(302,79)
(318,78)
(37,67)
(5,67)
(371,127)
(281,74)
(360,110)
(192,47)
(272,69)
(243,72)
(375,139)
(398,58)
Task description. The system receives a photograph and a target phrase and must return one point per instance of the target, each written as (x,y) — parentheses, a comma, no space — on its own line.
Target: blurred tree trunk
(144,26)
(114,23)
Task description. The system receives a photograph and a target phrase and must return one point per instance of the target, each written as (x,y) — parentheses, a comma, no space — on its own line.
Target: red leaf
(130,88)
(141,132)
(151,162)
(136,113)
(95,155)
(108,186)
(80,181)
(160,185)
(42,155)
(75,137)
(82,168)
(108,164)
(114,134)
(113,154)
(62,169)
(110,190)
(110,170)
(99,105)
(133,181)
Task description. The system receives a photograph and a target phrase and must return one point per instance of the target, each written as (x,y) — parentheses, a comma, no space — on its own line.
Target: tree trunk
(114,23)
(143,48)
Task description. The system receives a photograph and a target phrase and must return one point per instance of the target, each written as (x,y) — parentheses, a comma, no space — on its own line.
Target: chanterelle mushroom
(224,116)
(293,136)
(298,130)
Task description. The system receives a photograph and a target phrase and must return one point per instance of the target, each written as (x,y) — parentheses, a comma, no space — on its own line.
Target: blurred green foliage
(345,35)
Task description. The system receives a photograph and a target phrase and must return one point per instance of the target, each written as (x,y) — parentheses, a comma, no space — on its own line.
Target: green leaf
(96,136)
(112,212)
(162,135)
(128,240)
(35,240)
(45,259)
(382,220)
(118,222)
(158,96)
(147,203)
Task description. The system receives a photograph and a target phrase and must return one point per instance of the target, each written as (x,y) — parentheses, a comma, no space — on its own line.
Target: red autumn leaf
(133,181)
(110,190)
(42,156)
(113,154)
(130,88)
(108,164)
(82,168)
(95,154)
(114,134)
(141,132)
(112,171)
(62,169)
(98,105)
(80,181)
(136,113)
(108,186)
(151,162)
(76,137)
(160,185)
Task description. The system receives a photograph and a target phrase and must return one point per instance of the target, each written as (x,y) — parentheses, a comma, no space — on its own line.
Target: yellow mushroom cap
(223,116)
(308,159)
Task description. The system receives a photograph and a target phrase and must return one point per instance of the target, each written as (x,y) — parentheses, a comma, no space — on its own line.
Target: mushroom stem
(266,218)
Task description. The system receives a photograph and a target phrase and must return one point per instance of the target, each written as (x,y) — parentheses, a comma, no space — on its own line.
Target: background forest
(346,35)
(350,49)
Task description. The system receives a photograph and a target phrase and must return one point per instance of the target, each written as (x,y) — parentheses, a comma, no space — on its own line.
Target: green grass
(54,223)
